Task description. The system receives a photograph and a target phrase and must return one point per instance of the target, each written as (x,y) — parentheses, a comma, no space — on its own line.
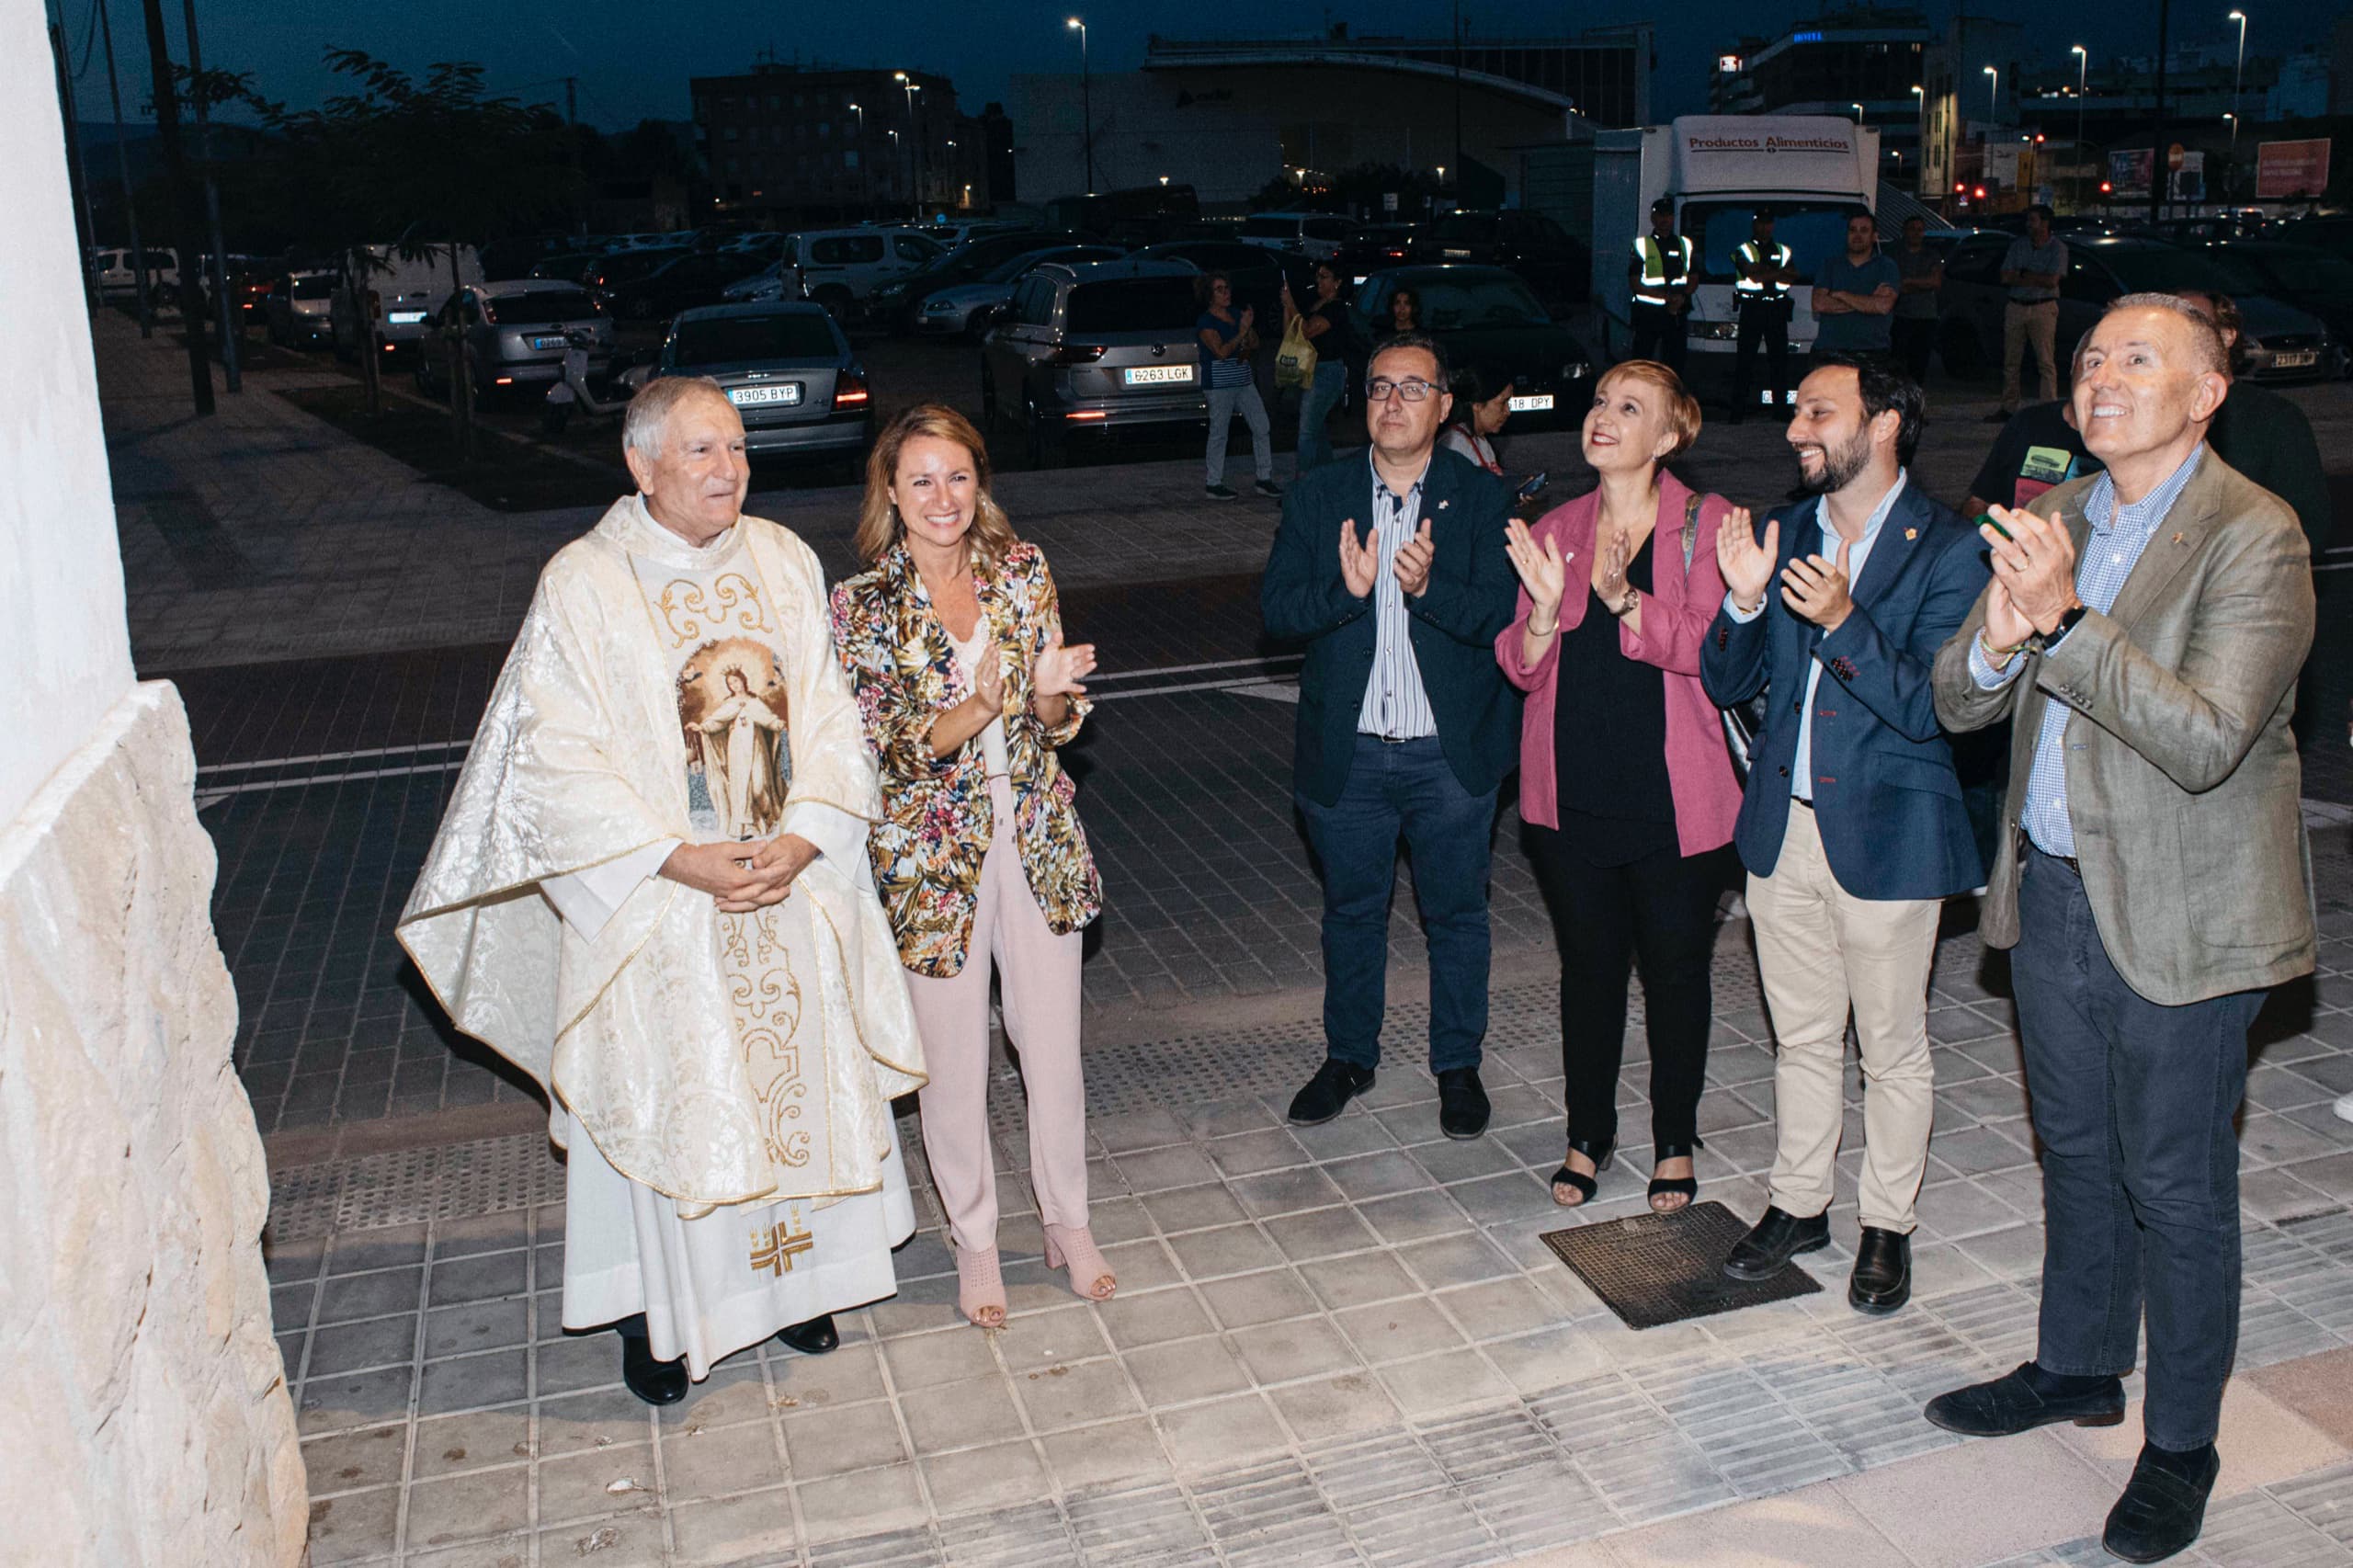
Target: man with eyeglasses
(1394,574)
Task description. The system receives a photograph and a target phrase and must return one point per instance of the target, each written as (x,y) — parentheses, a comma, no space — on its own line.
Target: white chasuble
(732,1073)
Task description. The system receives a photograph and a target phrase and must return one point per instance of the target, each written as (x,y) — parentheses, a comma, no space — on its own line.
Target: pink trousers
(1038,973)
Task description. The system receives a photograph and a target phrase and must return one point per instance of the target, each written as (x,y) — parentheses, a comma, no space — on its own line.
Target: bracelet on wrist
(1544,630)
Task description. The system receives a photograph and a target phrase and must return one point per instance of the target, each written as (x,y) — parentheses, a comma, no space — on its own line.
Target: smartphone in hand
(1532,486)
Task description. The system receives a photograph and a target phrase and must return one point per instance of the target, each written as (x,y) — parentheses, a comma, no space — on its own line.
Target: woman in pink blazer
(1626,785)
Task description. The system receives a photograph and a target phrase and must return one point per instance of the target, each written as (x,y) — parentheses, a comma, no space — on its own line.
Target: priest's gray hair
(2205,338)
(648,420)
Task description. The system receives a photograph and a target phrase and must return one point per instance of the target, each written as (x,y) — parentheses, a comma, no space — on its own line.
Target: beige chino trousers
(2029,324)
(1822,951)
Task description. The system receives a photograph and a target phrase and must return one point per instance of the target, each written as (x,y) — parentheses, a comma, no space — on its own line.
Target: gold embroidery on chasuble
(775,1246)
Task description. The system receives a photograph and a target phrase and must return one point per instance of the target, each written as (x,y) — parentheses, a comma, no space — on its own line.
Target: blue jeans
(2132,1101)
(1315,406)
(1404,787)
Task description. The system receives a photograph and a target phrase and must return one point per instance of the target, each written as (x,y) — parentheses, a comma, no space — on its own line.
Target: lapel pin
(2177,539)
(1911,533)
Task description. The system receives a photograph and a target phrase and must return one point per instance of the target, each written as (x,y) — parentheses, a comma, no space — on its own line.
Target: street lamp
(914,142)
(1994,95)
(2082,78)
(1085,97)
(1859,113)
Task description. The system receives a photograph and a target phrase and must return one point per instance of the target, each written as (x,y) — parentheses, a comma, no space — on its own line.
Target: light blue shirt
(1396,705)
(1802,768)
(2119,535)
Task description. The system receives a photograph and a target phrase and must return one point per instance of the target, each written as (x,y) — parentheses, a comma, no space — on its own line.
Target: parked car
(1487,315)
(1318,235)
(1539,251)
(788,370)
(970,307)
(843,267)
(2318,281)
(118,278)
(2280,343)
(1257,272)
(566,267)
(2334,235)
(1098,346)
(387,293)
(514,332)
(695,277)
(1375,249)
(297,309)
(899,300)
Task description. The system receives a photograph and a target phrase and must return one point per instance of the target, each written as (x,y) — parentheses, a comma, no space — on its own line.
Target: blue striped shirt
(2119,536)
(1395,704)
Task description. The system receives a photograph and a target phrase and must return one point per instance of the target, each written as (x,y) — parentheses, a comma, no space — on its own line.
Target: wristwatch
(2066,623)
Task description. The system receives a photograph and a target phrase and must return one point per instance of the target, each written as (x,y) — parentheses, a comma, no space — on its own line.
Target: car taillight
(1078,354)
(490,312)
(850,391)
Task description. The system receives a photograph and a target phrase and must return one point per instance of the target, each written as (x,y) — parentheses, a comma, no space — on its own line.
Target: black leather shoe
(655,1382)
(2163,1505)
(1328,1092)
(1461,1103)
(2017,1402)
(812,1338)
(1882,1277)
(1778,1238)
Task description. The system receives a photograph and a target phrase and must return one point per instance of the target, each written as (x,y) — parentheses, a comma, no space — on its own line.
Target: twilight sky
(633,57)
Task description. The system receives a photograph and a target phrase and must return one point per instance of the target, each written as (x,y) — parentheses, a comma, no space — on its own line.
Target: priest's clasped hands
(742,876)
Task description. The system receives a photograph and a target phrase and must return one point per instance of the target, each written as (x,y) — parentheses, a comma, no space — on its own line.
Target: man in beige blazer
(2142,636)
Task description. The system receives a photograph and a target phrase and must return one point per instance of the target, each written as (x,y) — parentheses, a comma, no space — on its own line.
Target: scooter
(572,390)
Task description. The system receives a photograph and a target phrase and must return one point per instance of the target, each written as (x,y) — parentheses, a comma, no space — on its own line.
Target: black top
(2035,450)
(2266,437)
(1337,344)
(1609,739)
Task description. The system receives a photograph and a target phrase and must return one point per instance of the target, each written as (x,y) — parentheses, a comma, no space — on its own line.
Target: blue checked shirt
(1395,703)
(2119,536)
(1802,767)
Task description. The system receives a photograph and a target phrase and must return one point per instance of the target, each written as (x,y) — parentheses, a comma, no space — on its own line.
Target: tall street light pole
(186,234)
(2083,77)
(122,174)
(1993,97)
(2160,170)
(2238,87)
(864,161)
(915,185)
(225,308)
(1085,97)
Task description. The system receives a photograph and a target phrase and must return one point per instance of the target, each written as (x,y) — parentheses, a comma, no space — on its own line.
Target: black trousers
(1658,334)
(1659,911)
(1914,338)
(1765,321)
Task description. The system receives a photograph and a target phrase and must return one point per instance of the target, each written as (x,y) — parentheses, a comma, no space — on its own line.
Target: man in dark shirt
(2039,449)
(2265,435)
(1855,293)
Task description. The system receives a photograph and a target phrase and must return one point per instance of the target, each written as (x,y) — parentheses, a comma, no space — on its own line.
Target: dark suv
(1545,256)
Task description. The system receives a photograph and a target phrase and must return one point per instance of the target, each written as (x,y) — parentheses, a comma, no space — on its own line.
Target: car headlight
(1575,370)
(939,307)
(1717,331)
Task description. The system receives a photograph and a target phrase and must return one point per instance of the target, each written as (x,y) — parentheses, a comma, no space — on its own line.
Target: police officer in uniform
(1660,274)
(1763,269)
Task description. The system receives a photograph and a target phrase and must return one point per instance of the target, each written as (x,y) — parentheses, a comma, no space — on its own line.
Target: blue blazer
(1452,625)
(1884,795)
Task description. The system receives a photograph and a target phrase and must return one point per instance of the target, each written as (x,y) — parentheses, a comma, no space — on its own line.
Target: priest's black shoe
(2026,1397)
(1462,1106)
(1328,1092)
(2163,1505)
(655,1382)
(1778,1238)
(812,1338)
(1882,1277)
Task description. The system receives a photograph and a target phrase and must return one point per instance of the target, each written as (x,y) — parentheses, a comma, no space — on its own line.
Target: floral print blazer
(937,818)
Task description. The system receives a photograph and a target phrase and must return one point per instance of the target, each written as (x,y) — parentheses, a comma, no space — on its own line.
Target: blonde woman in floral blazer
(980,856)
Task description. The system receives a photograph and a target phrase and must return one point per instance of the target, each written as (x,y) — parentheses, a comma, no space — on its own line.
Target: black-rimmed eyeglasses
(1381,389)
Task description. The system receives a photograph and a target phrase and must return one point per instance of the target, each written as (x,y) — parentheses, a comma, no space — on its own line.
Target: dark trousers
(2132,1101)
(1767,321)
(1914,338)
(1658,334)
(1406,789)
(1659,913)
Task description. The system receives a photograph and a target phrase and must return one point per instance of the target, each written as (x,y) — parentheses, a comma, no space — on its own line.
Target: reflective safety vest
(1748,255)
(1652,259)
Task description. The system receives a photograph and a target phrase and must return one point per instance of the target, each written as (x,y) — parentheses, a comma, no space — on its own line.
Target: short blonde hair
(879,527)
(1681,408)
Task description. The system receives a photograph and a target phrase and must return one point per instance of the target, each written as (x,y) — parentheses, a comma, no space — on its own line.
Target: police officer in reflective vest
(1763,270)
(1660,274)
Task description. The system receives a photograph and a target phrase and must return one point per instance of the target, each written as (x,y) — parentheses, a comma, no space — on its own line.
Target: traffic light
(2106,187)
(1980,193)
(2038,138)
(1960,187)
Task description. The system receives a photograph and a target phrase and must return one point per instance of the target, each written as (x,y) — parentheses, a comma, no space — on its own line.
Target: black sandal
(1660,1186)
(1577,1181)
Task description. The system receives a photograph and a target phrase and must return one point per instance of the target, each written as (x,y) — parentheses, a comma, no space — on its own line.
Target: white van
(389,297)
(843,266)
(1316,235)
(118,280)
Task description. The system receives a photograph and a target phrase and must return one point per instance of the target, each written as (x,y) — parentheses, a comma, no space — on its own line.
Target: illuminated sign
(1728,63)
(1805,38)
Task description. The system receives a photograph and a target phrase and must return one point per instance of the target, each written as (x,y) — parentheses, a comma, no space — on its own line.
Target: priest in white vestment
(652,893)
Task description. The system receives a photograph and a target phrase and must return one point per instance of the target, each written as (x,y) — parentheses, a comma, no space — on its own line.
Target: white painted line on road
(1237,683)
(334,756)
(1196,669)
(2336,566)
(221,792)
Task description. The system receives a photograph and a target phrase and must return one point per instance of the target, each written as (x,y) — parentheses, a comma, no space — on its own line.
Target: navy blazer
(1884,795)
(1452,624)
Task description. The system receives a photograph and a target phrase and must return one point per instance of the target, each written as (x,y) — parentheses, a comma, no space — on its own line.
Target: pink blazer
(1675,617)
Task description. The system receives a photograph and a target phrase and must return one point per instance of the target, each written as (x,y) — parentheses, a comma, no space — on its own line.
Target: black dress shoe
(2026,1397)
(1882,1277)
(1461,1103)
(1328,1092)
(1778,1238)
(812,1338)
(2163,1505)
(655,1382)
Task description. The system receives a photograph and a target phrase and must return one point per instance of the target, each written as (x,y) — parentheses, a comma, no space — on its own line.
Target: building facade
(1861,63)
(793,143)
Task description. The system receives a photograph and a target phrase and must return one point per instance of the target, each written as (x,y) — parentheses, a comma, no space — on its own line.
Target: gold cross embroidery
(775,1246)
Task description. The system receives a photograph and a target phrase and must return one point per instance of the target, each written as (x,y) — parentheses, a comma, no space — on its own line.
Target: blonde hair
(1682,410)
(879,527)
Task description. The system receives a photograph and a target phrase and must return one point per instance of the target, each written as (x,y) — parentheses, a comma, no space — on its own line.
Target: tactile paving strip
(1660,1269)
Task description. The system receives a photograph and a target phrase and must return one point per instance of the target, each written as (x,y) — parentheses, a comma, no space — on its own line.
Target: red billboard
(2286,169)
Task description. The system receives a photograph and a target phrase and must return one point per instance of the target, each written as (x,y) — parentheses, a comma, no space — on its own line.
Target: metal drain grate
(1660,1269)
(410,1186)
